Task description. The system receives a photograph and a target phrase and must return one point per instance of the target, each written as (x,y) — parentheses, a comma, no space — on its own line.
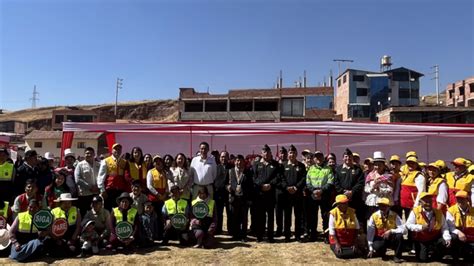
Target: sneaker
(412,252)
(398,260)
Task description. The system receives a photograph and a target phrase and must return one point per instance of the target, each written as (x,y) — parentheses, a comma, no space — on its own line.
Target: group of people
(131,200)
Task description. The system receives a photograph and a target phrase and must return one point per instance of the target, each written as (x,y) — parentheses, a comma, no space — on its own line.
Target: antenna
(339,61)
(34,99)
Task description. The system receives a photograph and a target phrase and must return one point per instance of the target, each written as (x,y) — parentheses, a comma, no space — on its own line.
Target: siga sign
(42,219)
(59,227)
(124,230)
(179,221)
(200,210)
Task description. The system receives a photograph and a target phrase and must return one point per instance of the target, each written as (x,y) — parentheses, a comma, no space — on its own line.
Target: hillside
(158,111)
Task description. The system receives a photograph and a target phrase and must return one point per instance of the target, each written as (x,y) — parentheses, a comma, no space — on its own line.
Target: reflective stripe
(25,223)
(131,213)
(71,215)
(6,171)
(171,206)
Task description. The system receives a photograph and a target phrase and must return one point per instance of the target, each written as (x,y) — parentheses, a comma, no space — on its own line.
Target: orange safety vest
(383,225)
(454,185)
(345,227)
(433,189)
(115,174)
(409,191)
(464,224)
(421,219)
(159,183)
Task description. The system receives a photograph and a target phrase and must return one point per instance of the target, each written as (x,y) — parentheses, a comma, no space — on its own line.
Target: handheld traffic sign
(200,210)
(42,219)
(124,230)
(59,227)
(179,221)
(3,222)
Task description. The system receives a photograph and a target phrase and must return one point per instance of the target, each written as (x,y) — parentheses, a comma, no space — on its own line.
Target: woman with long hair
(56,188)
(180,176)
(137,168)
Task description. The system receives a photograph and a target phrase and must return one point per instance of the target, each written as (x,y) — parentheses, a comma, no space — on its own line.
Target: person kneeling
(26,239)
(203,224)
(176,206)
(124,223)
(429,229)
(343,228)
(460,219)
(385,229)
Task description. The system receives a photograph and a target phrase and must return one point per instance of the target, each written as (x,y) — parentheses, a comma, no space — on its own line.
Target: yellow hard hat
(341,199)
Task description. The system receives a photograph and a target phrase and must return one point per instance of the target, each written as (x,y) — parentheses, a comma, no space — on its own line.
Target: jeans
(27,251)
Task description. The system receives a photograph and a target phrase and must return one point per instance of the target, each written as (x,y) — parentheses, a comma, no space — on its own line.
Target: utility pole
(117,87)
(436,68)
(339,61)
(34,99)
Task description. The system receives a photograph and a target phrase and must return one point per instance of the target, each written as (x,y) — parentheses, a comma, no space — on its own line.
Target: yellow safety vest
(115,168)
(131,213)
(135,172)
(173,207)
(345,226)
(4,211)
(435,231)
(25,223)
(210,205)
(464,224)
(382,225)
(6,171)
(71,216)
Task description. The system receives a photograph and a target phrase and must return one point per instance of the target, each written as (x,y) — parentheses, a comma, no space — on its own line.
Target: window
(362,92)
(266,105)
(344,79)
(405,93)
(58,145)
(358,78)
(241,106)
(216,106)
(292,107)
(38,144)
(461,90)
(80,118)
(319,102)
(58,119)
(450,94)
(471,88)
(339,83)
(400,76)
(81,145)
(360,111)
(193,106)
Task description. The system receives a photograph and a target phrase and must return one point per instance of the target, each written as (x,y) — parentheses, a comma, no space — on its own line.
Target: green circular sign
(42,219)
(200,210)
(124,230)
(179,221)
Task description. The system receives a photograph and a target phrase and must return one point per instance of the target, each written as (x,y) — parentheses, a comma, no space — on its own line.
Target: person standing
(460,179)
(28,170)
(265,180)
(437,187)
(292,182)
(378,184)
(349,180)
(319,188)
(137,168)
(85,175)
(280,196)
(7,174)
(111,180)
(413,183)
(221,195)
(181,176)
(203,170)
(240,188)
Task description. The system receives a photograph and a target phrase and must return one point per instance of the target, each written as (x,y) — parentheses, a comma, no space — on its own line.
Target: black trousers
(222,201)
(461,249)
(423,249)
(280,200)
(111,200)
(346,252)
(84,204)
(395,241)
(312,209)
(293,202)
(264,216)
(239,212)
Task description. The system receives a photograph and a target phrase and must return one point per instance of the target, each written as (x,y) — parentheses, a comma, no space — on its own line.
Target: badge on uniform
(297,168)
(353,171)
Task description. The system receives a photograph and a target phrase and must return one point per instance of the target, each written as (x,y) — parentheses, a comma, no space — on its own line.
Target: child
(148,225)
(89,238)
(138,197)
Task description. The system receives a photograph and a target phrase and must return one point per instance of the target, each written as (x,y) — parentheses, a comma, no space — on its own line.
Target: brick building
(281,104)
(460,93)
(76,115)
(427,114)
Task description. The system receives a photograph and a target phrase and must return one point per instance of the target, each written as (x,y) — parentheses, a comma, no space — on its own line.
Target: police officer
(265,180)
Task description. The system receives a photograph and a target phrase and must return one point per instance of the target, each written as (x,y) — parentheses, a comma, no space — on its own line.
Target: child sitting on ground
(89,238)
(148,225)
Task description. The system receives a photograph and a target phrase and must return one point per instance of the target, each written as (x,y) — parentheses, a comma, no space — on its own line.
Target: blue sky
(73,51)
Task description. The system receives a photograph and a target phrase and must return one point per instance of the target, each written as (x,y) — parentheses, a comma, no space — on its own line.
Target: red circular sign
(3,222)
(59,227)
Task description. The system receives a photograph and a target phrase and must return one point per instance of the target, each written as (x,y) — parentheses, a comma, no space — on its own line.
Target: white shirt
(149,181)
(413,226)
(203,171)
(332,231)
(442,194)
(103,174)
(371,228)
(420,183)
